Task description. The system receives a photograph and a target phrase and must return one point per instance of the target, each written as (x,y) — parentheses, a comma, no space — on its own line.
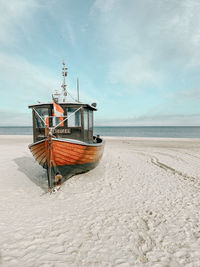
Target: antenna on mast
(77,89)
(64,86)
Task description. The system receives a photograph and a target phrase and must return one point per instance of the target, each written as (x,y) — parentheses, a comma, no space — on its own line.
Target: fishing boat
(63,140)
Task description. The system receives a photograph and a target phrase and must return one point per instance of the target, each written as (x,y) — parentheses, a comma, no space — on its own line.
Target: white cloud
(153,120)
(153,38)
(14,18)
(134,72)
(15,118)
(103,6)
(24,78)
(18,18)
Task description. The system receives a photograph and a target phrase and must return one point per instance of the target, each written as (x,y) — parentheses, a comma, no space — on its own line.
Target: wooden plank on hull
(36,146)
(66,152)
(37,150)
(40,157)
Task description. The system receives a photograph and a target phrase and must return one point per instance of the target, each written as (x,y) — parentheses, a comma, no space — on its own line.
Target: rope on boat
(73,97)
(39,116)
(66,118)
(54,116)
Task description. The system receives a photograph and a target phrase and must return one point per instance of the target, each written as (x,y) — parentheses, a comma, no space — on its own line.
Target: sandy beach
(139,207)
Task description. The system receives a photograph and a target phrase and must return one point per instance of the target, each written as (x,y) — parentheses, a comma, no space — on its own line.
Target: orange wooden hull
(68,157)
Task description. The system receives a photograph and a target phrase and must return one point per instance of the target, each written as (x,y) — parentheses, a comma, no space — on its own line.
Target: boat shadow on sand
(33,171)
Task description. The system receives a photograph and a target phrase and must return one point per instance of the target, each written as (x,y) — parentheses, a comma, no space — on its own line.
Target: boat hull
(66,157)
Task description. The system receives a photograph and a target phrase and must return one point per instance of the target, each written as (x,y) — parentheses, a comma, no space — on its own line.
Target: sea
(130,131)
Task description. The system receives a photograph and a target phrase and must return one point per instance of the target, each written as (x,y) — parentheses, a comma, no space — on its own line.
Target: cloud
(190,94)
(19,21)
(14,18)
(153,120)
(134,72)
(25,80)
(103,6)
(148,42)
(15,118)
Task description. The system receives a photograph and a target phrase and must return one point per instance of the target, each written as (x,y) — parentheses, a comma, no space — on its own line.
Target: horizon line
(17,126)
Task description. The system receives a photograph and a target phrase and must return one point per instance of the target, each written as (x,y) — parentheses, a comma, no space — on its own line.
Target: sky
(139,60)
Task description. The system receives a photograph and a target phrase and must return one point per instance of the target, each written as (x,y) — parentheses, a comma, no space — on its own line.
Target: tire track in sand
(161,165)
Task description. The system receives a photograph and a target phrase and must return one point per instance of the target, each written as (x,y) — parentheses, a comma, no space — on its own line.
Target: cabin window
(56,121)
(90,119)
(44,113)
(85,119)
(75,119)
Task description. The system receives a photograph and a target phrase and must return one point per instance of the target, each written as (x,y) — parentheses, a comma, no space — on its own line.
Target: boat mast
(64,86)
(78,90)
